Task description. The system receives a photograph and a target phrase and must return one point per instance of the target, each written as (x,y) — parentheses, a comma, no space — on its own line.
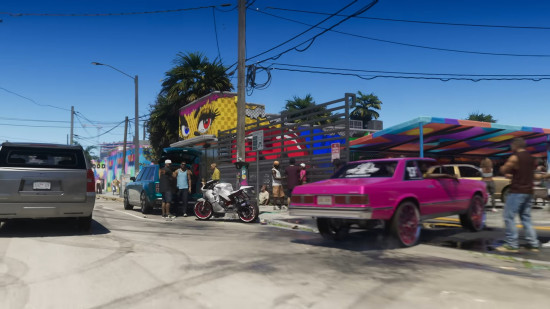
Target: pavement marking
(123,212)
(447,219)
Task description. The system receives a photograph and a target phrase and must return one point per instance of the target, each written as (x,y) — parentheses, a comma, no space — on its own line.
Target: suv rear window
(41,158)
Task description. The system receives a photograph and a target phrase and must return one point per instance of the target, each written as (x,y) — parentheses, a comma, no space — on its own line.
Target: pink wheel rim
(409,228)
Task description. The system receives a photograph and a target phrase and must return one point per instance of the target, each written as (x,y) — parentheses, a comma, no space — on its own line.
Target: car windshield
(374,169)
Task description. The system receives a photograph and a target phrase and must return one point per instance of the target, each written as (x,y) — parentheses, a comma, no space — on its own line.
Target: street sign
(335,151)
(258,140)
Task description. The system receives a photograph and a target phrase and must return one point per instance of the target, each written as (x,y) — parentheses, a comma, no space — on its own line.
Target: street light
(136,135)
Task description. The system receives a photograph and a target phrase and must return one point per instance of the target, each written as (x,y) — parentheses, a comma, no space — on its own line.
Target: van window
(42,158)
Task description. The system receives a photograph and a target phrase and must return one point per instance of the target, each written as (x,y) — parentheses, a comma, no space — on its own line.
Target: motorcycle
(220,199)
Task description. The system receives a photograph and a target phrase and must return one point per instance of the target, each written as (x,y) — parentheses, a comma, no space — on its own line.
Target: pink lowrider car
(399,192)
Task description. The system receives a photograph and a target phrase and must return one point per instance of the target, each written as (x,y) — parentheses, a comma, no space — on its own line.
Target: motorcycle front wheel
(249,213)
(203,210)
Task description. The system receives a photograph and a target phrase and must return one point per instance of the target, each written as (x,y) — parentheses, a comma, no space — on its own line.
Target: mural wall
(110,167)
(215,112)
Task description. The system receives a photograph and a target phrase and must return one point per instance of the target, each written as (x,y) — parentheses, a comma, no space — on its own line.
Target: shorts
(278,191)
(166,197)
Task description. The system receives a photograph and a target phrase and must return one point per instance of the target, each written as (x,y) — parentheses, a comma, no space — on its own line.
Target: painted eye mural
(205,120)
(185,130)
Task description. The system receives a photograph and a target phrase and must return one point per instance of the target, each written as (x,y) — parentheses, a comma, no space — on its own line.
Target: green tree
(88,152)
(367,107)
(192,77)
(477,116)
(317,115)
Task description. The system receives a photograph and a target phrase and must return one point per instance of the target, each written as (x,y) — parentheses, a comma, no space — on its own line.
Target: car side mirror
(133,178)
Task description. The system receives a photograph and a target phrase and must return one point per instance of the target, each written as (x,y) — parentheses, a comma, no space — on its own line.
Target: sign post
(257,145)
(335,151)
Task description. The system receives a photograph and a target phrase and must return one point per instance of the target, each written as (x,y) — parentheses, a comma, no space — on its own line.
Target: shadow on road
(48,228)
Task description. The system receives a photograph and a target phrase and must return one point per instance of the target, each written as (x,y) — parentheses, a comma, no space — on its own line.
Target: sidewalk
(268,215)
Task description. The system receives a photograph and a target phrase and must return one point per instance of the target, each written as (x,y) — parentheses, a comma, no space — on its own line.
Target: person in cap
(277,185)
(303,177)
(165,188)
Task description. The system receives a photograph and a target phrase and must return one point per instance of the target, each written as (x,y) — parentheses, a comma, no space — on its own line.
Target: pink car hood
(340,186)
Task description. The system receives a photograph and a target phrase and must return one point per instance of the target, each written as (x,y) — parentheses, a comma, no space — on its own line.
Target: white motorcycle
(220,199)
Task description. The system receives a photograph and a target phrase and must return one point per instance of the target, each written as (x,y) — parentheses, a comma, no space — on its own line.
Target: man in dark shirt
(165,188)
(292,177)
(521,167)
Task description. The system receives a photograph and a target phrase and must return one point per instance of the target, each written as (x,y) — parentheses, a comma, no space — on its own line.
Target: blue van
(143,190)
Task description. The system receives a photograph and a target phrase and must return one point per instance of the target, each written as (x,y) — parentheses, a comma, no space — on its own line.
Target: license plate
(324,200)
(41,185)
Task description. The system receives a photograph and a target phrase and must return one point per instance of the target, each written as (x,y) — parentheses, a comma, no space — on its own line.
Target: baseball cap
(302,164)
(168,161)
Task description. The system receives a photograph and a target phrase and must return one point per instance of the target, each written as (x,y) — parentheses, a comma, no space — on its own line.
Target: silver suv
(46,181)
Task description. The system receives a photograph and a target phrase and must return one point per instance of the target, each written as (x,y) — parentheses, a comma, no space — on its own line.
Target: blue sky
(47,59)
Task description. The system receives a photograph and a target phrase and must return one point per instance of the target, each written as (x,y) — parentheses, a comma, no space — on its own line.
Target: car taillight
(302,199)
(90,181)
(351,199)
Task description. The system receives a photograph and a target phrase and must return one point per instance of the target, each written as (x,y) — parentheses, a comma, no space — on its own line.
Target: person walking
(184,184)
(165,188)
(98,186)
(487,177)
(215,172)
(115,184)
(521,166)
(276,183)
(292,178)
(303,174)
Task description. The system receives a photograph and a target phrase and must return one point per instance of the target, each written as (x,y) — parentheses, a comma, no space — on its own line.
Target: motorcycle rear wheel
(249,213)
(203,210)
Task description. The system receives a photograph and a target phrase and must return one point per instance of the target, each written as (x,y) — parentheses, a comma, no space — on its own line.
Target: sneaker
(275,208)
(507,248)
(532,249)
(185,215)
(164,216)
(171,216)
(546,245)
(494,210)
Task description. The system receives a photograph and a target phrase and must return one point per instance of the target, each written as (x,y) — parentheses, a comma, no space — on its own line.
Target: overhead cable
(33,101)
(418,21)
(407,44)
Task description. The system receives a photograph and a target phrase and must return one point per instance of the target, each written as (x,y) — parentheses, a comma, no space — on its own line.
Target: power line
(33,101)
(109,14)
(443,78)
(410,73)
(216,33)
(36,120)
(325,30)
(408,44)
(419,21)
(31,126)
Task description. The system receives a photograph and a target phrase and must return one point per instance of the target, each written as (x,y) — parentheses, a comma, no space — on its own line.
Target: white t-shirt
(276,182)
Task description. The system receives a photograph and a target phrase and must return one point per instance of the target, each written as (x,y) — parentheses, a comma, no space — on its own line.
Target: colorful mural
(110,167)
(215,112)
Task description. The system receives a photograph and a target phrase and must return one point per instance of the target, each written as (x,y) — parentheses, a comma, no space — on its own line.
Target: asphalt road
(132,261)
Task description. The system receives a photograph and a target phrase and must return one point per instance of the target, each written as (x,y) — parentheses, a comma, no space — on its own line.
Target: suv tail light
(90,181)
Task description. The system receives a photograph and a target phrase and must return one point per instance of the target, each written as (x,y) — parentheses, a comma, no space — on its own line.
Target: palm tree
(88,152)
(318,115)
(366,109)
(192,77)
(481,117)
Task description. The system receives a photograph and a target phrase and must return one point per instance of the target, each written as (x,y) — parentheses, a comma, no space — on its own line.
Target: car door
(135,187)
(430,193)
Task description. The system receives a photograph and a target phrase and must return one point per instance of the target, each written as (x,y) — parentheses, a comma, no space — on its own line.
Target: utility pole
(72,125)
(241,99)
(124,146)
(136,136)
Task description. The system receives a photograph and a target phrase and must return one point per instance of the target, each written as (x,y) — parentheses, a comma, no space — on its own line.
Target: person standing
(98,186)
(184,184)
(521,167)
(487,177)
(165,188)
(115,184)
(215,172)
(277,185)
(303,174)
(292,178)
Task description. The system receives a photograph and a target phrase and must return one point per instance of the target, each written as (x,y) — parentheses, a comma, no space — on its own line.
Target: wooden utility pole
(124,146)
(72,126)
(241,93)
